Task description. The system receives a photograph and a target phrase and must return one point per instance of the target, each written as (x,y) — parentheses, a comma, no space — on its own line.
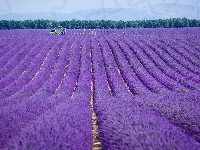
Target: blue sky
(68,6)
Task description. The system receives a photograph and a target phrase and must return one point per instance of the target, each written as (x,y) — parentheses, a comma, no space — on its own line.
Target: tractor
(58,30)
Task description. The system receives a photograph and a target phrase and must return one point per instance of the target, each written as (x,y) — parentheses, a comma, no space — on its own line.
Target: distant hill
(158,11)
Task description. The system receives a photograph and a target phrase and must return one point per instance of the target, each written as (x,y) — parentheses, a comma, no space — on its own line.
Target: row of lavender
(63,125)
(40,88)
(180,109)
(145,90)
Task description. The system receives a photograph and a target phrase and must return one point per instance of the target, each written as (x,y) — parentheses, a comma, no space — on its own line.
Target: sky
(68,6)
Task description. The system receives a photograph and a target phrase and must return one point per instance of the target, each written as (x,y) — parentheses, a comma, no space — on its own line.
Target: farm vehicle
(58,30)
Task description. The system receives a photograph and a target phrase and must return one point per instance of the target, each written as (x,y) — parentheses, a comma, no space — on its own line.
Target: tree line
(99,24)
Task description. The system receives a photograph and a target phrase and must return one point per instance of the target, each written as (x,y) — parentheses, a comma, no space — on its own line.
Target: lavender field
(125,89)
